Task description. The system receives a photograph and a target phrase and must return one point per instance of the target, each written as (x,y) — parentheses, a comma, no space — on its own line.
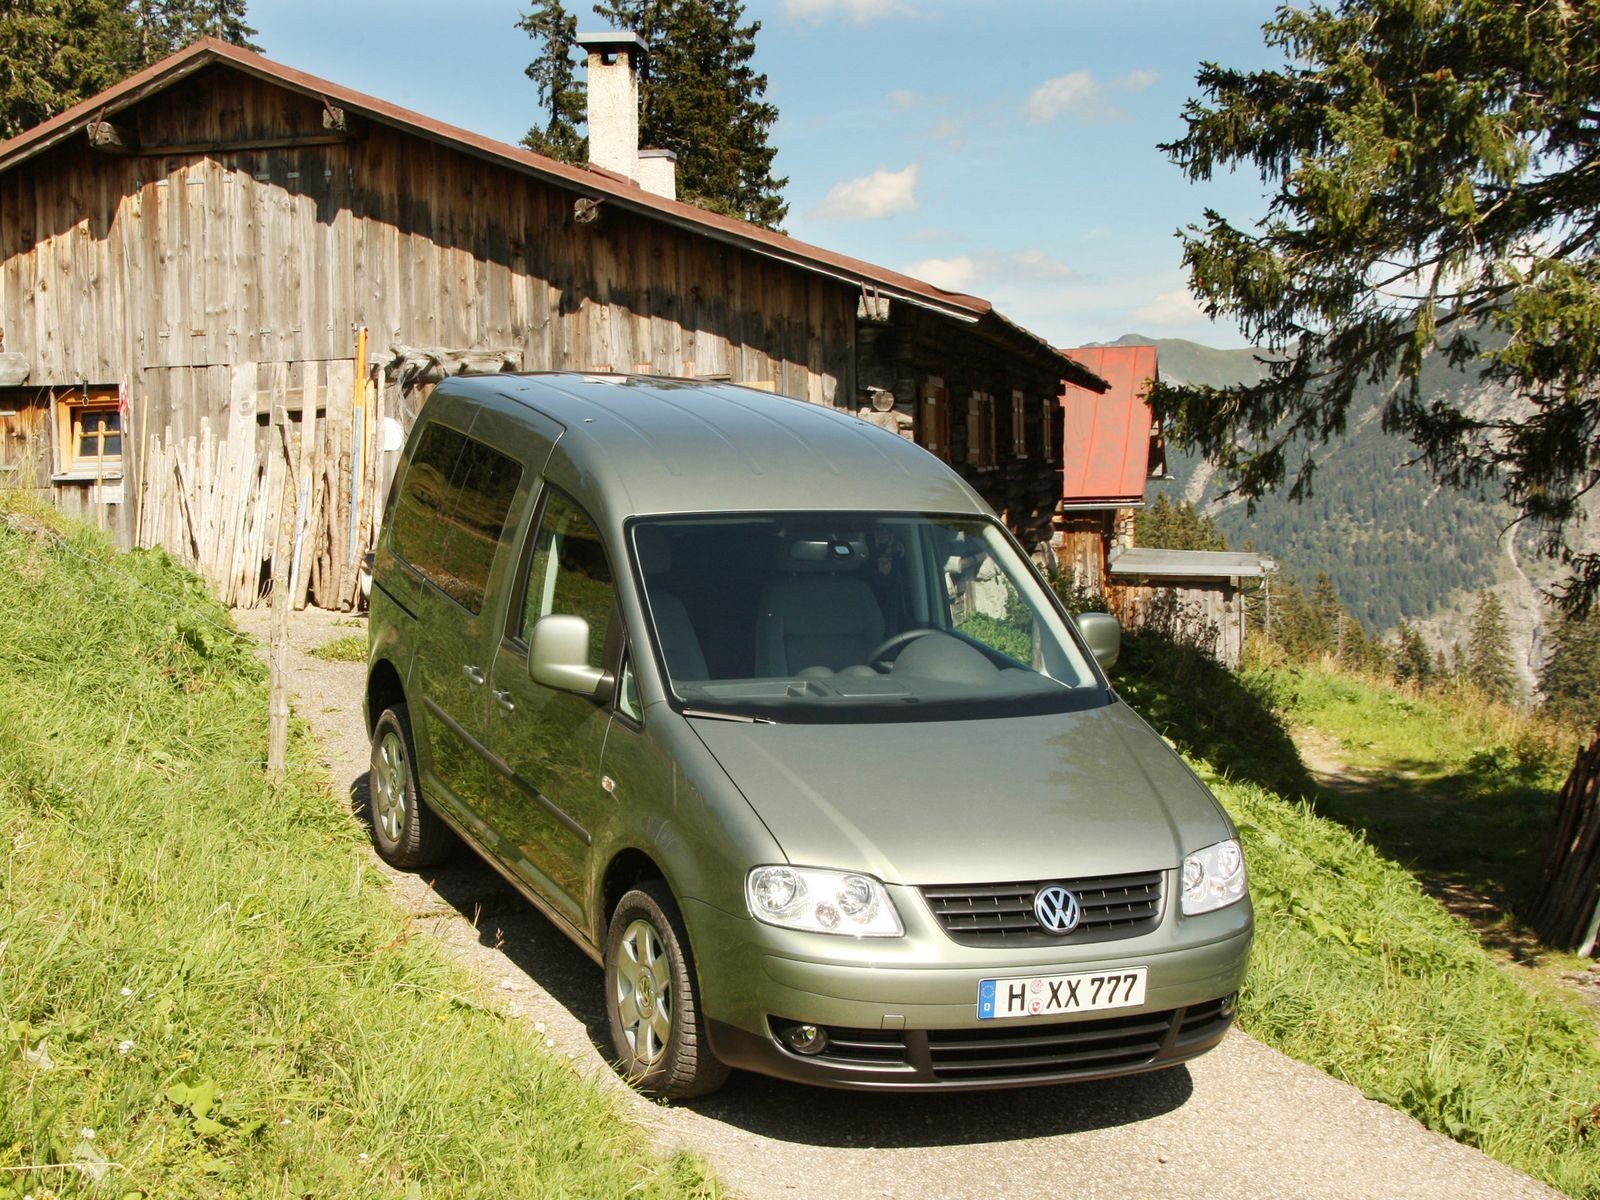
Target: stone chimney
(615,61)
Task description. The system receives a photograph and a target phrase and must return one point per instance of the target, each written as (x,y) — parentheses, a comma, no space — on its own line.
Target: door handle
(505,701)
(474,675)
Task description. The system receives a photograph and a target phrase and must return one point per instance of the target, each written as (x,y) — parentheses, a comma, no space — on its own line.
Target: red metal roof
(1109,442)
(586,180)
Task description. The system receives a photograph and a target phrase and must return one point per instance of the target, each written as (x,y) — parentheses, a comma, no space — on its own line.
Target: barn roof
(1110,442)
(593,183)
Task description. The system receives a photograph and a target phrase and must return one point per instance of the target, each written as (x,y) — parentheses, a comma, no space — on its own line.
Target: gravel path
(1240,1122)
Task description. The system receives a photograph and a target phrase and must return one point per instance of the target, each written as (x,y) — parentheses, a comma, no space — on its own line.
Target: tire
(661,1050)
(405,831)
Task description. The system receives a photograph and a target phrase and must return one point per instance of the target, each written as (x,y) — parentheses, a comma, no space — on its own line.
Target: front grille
(1016,1051)
(996,914)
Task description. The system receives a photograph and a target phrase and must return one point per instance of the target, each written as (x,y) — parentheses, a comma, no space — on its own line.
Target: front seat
(818,620)
(680,645)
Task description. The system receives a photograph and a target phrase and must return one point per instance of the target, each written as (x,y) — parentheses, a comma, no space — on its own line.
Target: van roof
(653,445)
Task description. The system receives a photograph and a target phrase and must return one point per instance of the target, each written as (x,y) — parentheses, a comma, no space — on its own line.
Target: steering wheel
(895,641)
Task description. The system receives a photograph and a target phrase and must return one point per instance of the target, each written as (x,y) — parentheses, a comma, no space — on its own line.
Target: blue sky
(1005,148)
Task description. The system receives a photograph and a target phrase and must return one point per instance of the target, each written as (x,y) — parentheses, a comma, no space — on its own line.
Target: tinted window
(569,574)
(451,512)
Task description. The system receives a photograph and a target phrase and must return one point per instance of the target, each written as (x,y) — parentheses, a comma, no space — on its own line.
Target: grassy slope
(200,968)
(1490,772)
(1357,970)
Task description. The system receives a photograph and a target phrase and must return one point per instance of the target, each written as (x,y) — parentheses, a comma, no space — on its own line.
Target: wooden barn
(1113,448)
(226,285)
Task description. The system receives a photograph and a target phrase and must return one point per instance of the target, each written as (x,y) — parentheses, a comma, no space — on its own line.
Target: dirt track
(1240,1122)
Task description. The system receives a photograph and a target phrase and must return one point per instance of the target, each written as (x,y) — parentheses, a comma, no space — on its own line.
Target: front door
(552,740)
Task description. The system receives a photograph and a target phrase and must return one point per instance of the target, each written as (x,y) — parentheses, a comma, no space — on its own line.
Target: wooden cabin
(226,286)
(1112,448)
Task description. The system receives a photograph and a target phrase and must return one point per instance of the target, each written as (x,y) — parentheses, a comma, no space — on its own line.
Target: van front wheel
(657,1030)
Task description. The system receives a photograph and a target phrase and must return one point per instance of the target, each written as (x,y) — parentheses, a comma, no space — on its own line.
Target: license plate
(1054,995)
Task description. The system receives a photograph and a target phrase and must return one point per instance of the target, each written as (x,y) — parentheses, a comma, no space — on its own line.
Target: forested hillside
(1395,545)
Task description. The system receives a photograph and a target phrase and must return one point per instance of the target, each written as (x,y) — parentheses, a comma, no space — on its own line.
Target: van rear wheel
(405,831)
(658,1033)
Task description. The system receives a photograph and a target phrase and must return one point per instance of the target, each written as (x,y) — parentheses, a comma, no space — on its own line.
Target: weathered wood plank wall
(188,274)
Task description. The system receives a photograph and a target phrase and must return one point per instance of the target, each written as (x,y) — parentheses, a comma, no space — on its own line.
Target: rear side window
(451,512)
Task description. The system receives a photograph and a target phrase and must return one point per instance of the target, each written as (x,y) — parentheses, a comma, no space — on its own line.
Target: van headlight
(1213,878)
(821,901)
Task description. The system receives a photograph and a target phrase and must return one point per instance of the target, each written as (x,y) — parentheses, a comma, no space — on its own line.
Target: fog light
(807,1039)
(1229,1003)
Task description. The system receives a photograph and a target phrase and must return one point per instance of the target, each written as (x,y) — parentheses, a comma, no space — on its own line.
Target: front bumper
(901,1014)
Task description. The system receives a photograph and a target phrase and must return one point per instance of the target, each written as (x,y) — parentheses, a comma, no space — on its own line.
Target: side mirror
(558,657)
(1102,634)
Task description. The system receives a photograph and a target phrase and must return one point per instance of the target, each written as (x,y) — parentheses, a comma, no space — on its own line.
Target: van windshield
(855,617)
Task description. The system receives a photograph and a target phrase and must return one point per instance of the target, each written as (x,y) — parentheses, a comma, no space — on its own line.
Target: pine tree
(54,53)
(1412,662)
(555,78)
(1164,525)
(1430,170)
(1570,678)
(1486,661)
(699,98)
(170,25)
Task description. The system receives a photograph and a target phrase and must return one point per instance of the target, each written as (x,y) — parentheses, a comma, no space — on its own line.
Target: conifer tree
(170,25)
(1570,678)
(699,98)
(555,79)
(1163,525)
(1412,662)
(1430,173)
(54,53)
(1486,662)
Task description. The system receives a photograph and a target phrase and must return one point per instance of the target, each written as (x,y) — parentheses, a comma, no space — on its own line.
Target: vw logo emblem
(1057,909)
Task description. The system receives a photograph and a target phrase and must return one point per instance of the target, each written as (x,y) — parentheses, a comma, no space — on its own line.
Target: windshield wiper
(722,716)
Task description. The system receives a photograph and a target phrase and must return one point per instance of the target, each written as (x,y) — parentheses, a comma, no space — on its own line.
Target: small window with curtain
(88,428)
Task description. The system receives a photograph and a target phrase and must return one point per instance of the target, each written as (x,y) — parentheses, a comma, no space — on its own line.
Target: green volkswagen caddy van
(763,708)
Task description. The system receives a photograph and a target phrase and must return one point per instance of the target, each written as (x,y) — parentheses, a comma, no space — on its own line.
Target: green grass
(204,989)
(1356,969)
(348,648)
(1458,789)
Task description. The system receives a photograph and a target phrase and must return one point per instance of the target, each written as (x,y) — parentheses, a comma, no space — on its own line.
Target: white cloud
(1035,265)
(858,12)
(871,197)
(1168,309)
(1075,95)
(951,274)
(1007,268)
(1082,99)
(905,100)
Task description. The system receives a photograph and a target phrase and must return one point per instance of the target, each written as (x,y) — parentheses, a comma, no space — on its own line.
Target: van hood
(952,802)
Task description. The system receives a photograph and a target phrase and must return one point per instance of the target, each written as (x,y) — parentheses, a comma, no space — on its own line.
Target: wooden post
(278,649)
